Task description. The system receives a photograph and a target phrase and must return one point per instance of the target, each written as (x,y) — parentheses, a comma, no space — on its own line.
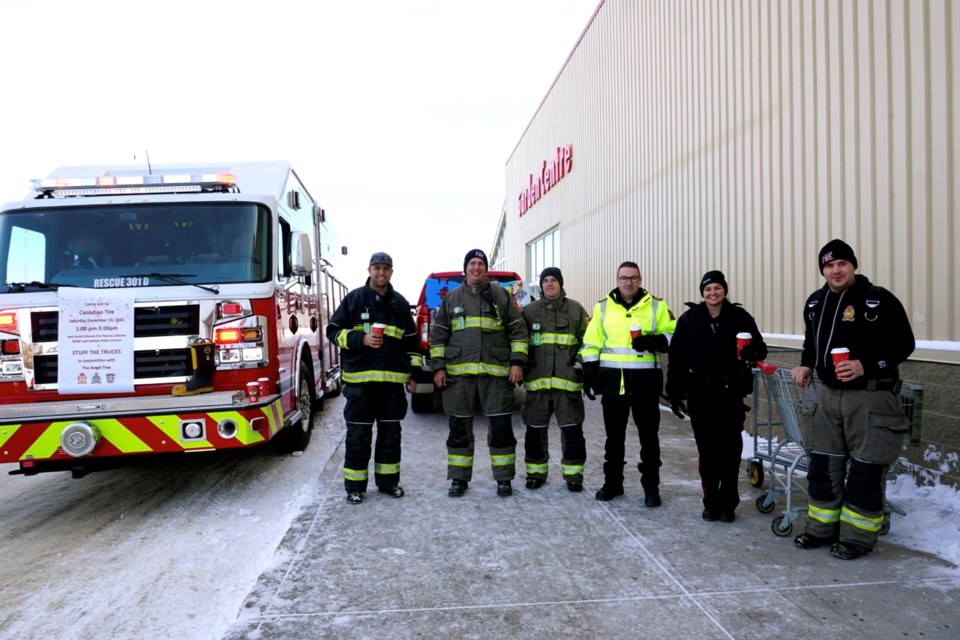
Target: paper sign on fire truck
(150,310)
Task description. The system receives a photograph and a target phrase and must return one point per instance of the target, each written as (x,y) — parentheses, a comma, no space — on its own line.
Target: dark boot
(204,364)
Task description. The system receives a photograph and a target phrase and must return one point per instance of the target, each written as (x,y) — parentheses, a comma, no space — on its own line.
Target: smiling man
(859,418)
(379,350)
(478,348)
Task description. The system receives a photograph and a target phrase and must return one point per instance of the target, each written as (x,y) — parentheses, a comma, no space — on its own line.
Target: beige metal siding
(742,135)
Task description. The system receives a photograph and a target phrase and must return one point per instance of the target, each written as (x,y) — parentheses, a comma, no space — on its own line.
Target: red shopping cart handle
(768,369)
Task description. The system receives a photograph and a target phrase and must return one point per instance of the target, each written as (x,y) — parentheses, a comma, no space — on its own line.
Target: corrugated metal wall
(742,135)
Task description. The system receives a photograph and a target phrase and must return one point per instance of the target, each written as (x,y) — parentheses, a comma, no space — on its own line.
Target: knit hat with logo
(836,249)
(475,253)
(713,277)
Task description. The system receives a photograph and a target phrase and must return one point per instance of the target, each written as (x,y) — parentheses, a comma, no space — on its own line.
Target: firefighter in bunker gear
(858,417)
(379,351)
(553,381)
(478,348)
(626,371)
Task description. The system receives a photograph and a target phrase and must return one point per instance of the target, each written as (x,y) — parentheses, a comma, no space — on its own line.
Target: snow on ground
(932,520)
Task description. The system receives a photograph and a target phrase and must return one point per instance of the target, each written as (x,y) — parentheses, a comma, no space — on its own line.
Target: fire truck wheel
(296,436)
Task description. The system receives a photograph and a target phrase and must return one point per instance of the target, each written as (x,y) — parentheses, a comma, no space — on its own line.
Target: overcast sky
(399,116)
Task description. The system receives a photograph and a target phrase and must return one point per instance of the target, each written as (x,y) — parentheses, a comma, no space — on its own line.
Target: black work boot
(201,353)
(457,488)
(609,492)
(395,491)
(504,489)
(535,483)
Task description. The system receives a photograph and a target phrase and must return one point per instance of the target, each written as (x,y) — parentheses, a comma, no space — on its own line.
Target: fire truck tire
(296,437)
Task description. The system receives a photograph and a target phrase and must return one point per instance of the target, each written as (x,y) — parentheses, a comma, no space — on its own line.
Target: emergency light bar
(133,185)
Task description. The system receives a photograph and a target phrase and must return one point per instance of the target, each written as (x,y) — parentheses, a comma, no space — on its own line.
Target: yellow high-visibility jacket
(608,341)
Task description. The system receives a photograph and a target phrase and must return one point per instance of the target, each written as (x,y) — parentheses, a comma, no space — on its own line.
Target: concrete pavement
(554,564)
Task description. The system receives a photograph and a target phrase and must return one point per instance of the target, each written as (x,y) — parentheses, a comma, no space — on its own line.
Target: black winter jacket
(704,349)
(865,318)
(361,308)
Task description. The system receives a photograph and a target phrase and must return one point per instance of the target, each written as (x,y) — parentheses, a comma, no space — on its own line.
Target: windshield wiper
(22,286)
(174,278)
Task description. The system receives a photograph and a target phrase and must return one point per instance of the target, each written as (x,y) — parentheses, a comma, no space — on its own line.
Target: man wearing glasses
(626,331)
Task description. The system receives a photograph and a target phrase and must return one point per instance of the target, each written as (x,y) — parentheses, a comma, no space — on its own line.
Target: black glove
(678,408)
(652,343)
(750,353)
(590,386)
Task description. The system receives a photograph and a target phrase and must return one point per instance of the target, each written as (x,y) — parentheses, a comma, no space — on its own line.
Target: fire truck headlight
(253,354)
(12,368)
(227,428)
(79,439)
(228,356)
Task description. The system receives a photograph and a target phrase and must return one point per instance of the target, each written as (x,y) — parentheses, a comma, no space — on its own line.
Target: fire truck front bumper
(116,427)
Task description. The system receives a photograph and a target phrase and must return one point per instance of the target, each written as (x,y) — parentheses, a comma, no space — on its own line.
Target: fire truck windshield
(112,246)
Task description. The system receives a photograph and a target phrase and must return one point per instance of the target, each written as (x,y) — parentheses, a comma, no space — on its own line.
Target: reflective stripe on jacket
(399,355)
(608,339)
(558,326)
(478,330)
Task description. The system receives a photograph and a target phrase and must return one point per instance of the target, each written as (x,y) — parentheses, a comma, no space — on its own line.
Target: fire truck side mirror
(301,254)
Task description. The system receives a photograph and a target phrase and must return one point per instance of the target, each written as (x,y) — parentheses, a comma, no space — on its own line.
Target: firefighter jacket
(556,329)
(704,350)
(400,353)
(478,330)
(608,343)
(865,318)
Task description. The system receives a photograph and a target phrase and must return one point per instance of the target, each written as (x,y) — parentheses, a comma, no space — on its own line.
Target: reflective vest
(608,339)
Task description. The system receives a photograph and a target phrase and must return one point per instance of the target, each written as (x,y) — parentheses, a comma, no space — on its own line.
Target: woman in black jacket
(709,371)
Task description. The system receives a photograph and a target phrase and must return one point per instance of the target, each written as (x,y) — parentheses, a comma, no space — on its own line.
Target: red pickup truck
(435,288)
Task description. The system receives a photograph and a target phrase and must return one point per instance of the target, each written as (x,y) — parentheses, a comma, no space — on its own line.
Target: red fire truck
(164,309)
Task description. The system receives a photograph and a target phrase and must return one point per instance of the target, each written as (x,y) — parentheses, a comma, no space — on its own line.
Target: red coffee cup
(253,391)
(264,386)
(635,331)
(377,329)
(743,339)
(839,355)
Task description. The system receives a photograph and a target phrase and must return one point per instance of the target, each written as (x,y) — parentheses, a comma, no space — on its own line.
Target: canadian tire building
(742,136)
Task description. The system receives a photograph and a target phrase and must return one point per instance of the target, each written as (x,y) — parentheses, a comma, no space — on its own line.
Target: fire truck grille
(149,322)
(162,363)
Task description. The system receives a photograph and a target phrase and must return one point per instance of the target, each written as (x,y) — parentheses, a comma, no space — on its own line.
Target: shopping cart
(782,447)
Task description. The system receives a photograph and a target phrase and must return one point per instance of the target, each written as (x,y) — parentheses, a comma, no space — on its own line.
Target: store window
(499,262)
(542,253)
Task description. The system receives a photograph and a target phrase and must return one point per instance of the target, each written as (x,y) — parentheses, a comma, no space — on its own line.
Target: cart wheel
(885,525)
(777,529)
(756,473)
(762,507)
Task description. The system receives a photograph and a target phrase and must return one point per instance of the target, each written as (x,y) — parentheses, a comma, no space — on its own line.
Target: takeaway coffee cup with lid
(635,331)
(743,339)
(839,355)
(377,329)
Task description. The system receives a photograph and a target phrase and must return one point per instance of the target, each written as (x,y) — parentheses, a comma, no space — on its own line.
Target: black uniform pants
(385,404)
(717,415)
(645,405)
